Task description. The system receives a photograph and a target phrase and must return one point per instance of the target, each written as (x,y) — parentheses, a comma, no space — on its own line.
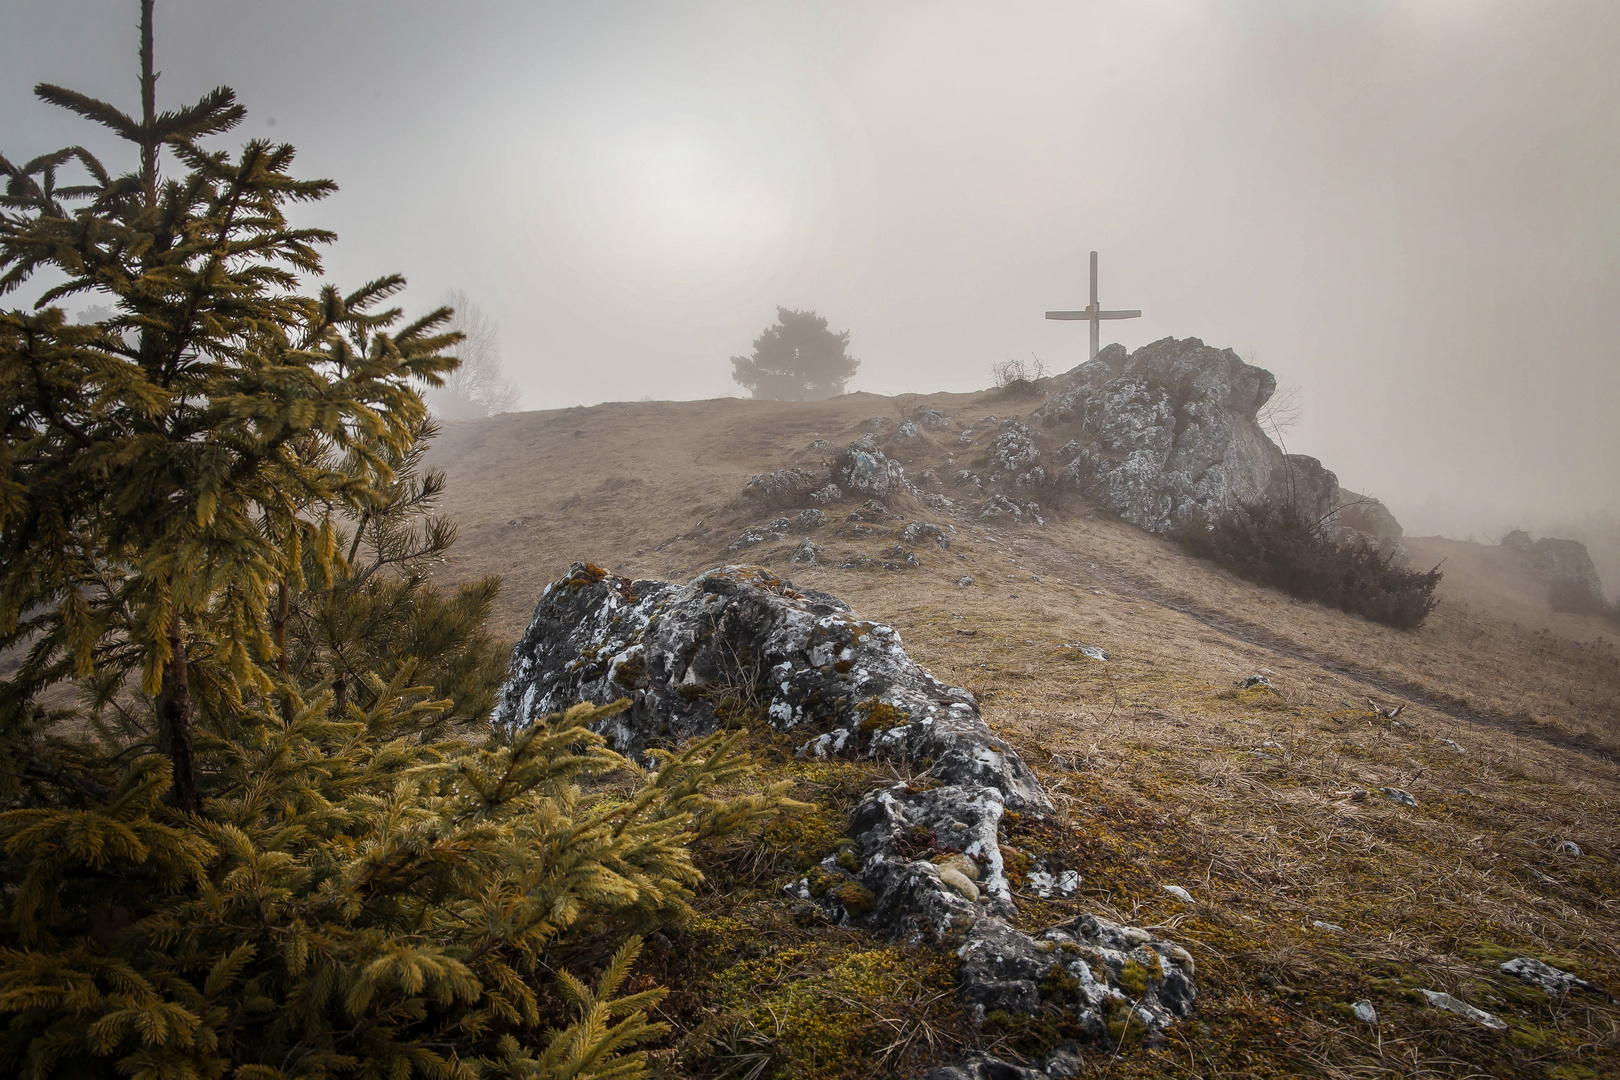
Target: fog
(1411,209)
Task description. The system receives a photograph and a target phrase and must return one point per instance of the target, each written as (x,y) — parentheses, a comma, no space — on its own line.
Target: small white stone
(959,881)
(1179,893)
(1445,1001)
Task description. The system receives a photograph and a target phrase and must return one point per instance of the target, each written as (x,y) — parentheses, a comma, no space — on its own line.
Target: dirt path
(1071,564)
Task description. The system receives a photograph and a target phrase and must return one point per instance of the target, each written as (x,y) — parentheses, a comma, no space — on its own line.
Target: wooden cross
(1094,314)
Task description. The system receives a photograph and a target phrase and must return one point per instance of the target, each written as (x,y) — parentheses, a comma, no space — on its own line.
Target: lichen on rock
(1170,431)
(923,862)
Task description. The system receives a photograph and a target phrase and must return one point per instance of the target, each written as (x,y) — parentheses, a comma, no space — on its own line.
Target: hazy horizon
(1411,210)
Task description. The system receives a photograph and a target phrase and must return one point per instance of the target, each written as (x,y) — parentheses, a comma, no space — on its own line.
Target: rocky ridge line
(1169,433)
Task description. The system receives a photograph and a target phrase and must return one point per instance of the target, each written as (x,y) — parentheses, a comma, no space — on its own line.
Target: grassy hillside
(1311,889)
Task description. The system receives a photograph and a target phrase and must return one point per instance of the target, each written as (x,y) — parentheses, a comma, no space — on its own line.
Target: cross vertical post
(1096,323)
(1093,312)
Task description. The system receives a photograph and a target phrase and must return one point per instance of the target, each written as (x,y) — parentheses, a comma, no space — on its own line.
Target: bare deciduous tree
(1017,370)
(1281,412)
(479,387)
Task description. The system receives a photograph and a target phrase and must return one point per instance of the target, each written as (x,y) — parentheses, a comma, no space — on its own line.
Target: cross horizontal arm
(1088,314)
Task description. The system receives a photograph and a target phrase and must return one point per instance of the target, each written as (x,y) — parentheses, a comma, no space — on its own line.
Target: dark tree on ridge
(797,359)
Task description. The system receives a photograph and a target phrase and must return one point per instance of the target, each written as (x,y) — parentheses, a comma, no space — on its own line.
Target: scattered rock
(758,534)
(1086,650)
(784,487)
(1365,1012)
(930,418)
(918,531)
(871,510)
(1399,795)
(829,494)
(806,554)
(1445,1001)
(1554,981)
(1568,847)
(1104,972)
(1046,885)
(1014,450)
(1455,746)
(810,519)
(855,562)
(965,580)
(1001,506)
(1252,681)
(1179,893)
(898,558)
(863,468)
(819,446)
(1334,927)
(1062,1061)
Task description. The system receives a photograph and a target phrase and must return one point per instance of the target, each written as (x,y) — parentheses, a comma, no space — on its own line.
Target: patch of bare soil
(1312,886)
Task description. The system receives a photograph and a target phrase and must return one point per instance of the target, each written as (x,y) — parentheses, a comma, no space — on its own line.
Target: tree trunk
(278,631)
(174,718)
(149,144)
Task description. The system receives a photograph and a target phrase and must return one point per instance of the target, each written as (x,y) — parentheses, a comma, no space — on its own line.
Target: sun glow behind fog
(674,218)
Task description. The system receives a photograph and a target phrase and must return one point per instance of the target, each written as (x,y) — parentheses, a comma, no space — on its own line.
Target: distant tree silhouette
(479,387)
(798,359)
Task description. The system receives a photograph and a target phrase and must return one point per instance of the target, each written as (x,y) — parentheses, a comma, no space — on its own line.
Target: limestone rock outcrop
(923,859)
(1369,516)
(1566,566)
(1171,430)
(676,651)
(1168,433)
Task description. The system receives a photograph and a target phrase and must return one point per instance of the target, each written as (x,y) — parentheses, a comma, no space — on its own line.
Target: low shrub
(1577,598)
(1279,545)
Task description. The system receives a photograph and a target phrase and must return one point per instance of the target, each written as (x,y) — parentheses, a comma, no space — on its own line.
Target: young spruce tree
(249,850)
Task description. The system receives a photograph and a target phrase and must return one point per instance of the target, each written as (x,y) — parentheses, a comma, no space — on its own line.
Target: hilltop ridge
(1268,808)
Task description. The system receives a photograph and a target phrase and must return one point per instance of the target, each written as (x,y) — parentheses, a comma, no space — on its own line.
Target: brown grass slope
(1267,807)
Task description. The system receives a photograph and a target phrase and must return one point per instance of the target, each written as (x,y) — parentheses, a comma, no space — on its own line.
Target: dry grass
(1165,774)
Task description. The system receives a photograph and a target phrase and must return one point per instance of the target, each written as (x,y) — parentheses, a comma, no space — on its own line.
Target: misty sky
(1410,208)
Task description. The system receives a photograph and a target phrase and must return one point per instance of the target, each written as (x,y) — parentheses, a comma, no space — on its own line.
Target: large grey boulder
(1368,516)
(863,468)
(1171,431)
(1566,566)
(784,487)
(923,860)
(676,651)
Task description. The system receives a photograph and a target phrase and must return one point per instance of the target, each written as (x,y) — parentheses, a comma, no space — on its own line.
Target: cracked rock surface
(923,861)
(1171,430)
